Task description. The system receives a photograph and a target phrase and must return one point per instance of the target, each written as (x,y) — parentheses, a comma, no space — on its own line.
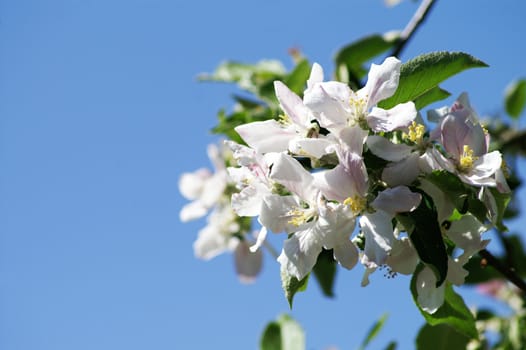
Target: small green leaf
(453,311)
(283,334)
(325,272)
(440,337)
(433,95)
(515,98)
(391,346)
(291,285)
(373,332)
(501,201)
(425,72)
(271,338)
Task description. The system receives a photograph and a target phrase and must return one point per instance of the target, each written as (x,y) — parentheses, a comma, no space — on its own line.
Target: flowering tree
(355,169)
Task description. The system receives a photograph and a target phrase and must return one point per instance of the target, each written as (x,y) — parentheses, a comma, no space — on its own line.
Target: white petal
(248,264)
(291,174)
(379,237)
(192,211)
(191,184)
(486,165)
(329,101)
(247,202)
(398,117)
(443,204)
(316,148)
(299,254)
(274,212)
(292,105)
(266,136)
(210,242)
(262,235)
(346,254)
(403,172)
(403,257)
(429,297)
(382,81)
(385,149)
(397,200)
(353,138)
(466,233)
(316,75)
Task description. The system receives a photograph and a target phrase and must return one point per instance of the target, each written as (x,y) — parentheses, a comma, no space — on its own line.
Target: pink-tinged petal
(316,148)
(291,174)
(299,254)
(266,136)
(436,115)
(385,149)
(429,297)
(398,117)
(397,200)
(403,257)
(379,237)
(329,102)
(382,81)
(316,75)
(248,264)
(353,138)
(403,172)
(292,105)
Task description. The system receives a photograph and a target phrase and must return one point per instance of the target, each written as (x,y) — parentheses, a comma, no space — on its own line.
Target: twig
(411,27)
(504,270)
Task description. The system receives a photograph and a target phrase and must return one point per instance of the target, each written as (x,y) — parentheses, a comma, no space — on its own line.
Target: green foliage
(440,337)
(283,334)
(501,201)
(426,236)
(433,95)
(373,332)
(423,73)
(291,285)
(453,312)
(351,58)
(515,98)
(325,272)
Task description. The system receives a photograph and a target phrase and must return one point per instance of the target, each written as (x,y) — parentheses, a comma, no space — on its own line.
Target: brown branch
(411,27)
(507,272)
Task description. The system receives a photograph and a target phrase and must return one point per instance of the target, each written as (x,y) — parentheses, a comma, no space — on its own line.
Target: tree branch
(411,27)
(504,270)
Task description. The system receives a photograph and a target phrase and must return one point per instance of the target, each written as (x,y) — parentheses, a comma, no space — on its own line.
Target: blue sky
(100,113)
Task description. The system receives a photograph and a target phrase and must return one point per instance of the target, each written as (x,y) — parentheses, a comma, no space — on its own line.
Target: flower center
(466,159)
(299,216)
(416,132)
(358,112)
(356,203)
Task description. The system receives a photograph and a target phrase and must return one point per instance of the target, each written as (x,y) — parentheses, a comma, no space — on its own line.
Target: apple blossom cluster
(337,172)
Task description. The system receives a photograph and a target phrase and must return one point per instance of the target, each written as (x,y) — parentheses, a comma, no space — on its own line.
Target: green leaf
(425,72)
(440,337)
(248,76)
(426,236)
(283,334)
(297,79)
(515,98)
(354,55)
(325,272)
(391,346)
(291,285)
(479,272)
(373,332)
(501,201)
(433,95)
(453,311)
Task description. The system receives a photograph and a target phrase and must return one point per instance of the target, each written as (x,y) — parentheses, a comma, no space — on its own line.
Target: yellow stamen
(356,203)
(467,158)
(284,119)
(298,217)
(359,113)
(416,132)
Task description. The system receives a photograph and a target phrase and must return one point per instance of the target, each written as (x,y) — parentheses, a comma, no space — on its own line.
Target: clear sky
(100,113)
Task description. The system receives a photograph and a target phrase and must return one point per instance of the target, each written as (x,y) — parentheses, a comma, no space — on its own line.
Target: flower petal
(398,117)
(397,200)
(385,149)
(267,136)
(429,297)
(379,237)
(299,254)
(382,81)
(403,172)
(292,105)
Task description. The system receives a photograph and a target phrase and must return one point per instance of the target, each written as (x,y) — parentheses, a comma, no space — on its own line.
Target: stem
(504,270)
(411,27)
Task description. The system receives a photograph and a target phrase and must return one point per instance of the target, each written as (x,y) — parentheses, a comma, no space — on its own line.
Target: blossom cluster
(337,172)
